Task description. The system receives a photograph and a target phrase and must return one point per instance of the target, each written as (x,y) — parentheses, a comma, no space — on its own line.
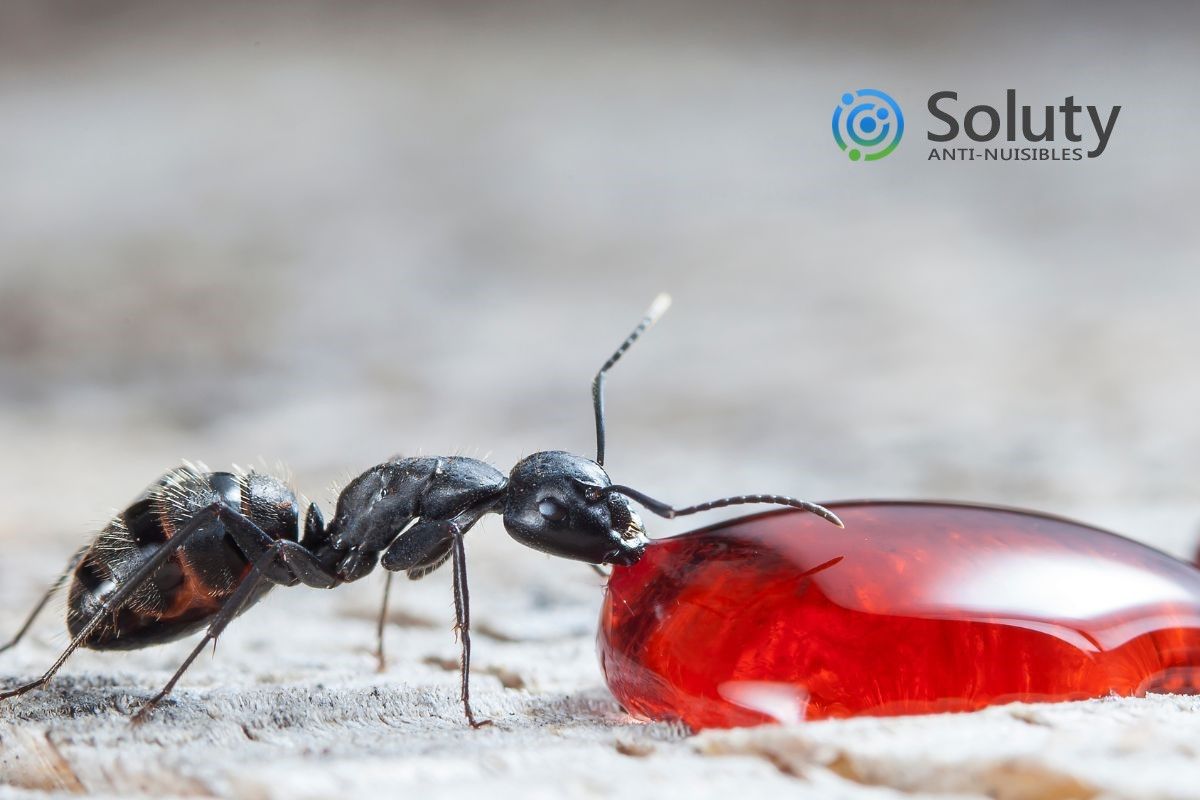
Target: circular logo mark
(867,125)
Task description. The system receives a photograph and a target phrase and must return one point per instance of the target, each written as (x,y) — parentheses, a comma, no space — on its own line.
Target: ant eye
(552,510)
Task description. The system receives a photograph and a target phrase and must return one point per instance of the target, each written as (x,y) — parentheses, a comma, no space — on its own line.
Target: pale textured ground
(337,233)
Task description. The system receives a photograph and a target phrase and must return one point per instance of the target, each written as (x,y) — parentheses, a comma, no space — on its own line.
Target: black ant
(198,548)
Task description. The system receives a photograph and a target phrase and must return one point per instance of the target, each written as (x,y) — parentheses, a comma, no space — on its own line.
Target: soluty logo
(867,125)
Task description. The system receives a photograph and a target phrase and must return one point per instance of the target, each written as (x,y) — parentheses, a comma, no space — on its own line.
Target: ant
(198,548)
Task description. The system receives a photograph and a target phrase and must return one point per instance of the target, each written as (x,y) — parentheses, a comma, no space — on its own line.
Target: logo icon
(867,125)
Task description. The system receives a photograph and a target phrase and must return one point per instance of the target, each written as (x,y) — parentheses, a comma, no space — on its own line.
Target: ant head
(555,504)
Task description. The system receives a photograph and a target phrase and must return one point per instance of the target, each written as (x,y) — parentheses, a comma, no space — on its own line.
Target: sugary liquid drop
(914,608)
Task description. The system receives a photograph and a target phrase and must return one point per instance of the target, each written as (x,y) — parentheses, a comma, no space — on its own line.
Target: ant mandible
(198,548)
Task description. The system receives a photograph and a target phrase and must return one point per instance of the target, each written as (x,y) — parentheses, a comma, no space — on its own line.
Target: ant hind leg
(230,609)
(118,599)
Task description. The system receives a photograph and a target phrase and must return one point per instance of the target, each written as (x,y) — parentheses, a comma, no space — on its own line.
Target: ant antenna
(664,510)
(656,310)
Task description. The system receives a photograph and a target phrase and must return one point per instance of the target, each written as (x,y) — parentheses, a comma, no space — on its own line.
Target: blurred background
(324,234)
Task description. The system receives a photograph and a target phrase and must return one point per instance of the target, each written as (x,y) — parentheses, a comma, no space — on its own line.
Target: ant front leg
(418,544)
(462,610)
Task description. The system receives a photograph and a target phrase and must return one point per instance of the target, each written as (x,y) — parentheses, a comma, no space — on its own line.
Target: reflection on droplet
(1077,586)
(783,702)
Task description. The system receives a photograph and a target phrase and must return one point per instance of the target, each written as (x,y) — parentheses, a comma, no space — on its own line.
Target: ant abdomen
(192,585)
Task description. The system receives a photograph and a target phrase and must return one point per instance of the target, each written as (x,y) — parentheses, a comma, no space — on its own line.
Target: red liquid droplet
(914,608)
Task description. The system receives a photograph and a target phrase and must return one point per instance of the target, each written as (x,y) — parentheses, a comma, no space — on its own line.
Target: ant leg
(418,555)
(424,543)
(601,571)
(229,610)
(53,590)
(431,564)
(419,550)
(117,600)
(420,545)
(416,546)
(462,610)
(293,563)
(383,609)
